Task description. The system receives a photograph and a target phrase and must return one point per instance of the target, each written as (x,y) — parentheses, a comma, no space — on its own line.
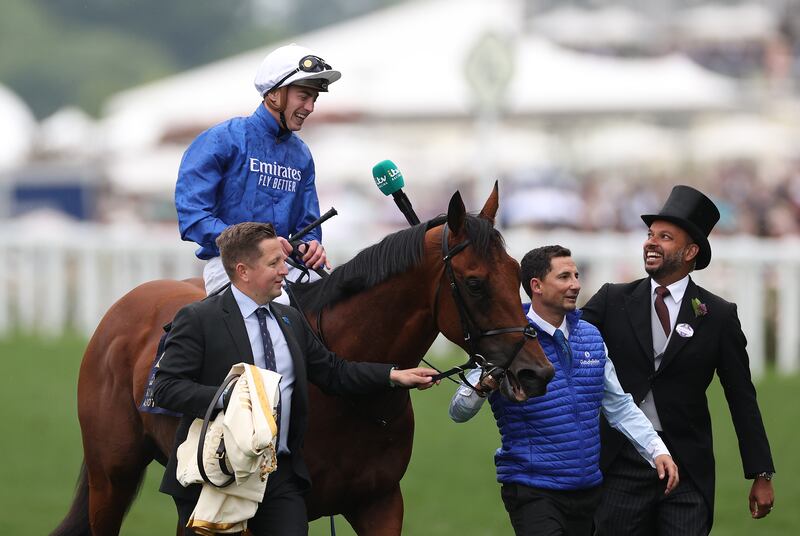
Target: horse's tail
(77,521)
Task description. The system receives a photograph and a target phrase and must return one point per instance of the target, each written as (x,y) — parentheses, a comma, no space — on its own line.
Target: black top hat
(694,213)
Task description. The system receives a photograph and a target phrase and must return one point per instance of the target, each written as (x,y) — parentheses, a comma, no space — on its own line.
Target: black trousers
(634,504)
(282,512)
(545,512)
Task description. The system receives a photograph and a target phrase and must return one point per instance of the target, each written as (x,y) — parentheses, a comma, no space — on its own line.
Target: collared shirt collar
(676,289)
(550,329)
(246,304)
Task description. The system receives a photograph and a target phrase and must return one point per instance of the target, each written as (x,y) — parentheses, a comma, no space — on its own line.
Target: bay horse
(450,275)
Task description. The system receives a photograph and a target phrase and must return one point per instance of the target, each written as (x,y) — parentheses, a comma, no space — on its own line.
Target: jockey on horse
(256,168)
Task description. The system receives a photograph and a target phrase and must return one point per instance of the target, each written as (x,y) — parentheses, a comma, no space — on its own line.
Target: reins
(220,453)
(294,302)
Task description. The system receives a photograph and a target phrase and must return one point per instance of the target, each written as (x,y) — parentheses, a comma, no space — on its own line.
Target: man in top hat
(667,337)
(256,168)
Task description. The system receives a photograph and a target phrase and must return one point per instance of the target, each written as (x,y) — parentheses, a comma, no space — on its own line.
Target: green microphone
(389,180)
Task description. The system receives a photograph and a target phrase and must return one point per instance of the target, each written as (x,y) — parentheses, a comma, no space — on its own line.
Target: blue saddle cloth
(148,404)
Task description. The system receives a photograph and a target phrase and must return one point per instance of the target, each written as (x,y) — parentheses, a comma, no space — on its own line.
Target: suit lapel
(685,316)
(234,321)
(637,305)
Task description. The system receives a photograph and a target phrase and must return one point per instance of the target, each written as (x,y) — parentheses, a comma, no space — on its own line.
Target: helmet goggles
(307,64)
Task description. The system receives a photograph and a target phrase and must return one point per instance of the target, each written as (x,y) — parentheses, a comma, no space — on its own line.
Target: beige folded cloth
(250,433)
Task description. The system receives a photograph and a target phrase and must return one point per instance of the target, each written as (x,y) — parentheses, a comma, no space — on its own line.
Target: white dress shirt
(283,358)
(617,405)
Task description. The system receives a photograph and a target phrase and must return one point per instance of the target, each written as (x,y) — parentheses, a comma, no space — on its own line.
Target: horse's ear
(489,210)
(456,213)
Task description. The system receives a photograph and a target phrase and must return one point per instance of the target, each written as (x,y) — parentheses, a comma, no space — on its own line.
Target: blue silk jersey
(241,170)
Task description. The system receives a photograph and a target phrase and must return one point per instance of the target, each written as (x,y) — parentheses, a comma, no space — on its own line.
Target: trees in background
(77,52)
(60,52)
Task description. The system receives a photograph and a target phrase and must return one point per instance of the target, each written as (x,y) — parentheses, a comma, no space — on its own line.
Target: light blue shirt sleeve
(625,416)
(466,403)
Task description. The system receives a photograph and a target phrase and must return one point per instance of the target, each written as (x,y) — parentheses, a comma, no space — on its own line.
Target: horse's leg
(381,516)
(118,441)
(113,484)
(115,448)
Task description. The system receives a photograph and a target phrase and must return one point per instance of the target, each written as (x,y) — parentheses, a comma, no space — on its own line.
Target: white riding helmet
(294,65)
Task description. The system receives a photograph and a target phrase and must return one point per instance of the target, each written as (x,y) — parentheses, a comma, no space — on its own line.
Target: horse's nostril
(533,383)
(528,377)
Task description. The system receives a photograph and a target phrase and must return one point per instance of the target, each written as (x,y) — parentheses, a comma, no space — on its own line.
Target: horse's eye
(474,286)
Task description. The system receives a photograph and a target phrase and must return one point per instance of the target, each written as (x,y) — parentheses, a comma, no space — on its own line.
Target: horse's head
(477,303)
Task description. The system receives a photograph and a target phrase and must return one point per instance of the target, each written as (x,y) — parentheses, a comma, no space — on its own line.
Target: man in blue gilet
(548,463)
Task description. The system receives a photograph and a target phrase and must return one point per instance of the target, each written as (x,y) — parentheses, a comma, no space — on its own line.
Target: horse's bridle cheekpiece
(471,331)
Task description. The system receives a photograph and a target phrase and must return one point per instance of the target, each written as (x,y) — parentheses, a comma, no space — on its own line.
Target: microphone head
(387,177)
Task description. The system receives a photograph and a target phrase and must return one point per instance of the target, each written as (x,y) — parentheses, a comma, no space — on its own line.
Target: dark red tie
(661,309)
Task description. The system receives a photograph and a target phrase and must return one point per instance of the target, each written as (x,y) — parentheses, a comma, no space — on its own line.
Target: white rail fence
(56,282)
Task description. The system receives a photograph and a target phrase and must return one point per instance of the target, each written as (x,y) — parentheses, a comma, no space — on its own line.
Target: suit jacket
(208,337)
(622,314)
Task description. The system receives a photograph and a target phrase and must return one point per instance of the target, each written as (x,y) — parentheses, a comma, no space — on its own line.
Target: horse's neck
(390,323)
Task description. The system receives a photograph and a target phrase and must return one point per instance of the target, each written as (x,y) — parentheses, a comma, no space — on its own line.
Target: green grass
(449,488)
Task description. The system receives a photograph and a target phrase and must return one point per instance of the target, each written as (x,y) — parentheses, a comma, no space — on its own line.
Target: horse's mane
(394,254)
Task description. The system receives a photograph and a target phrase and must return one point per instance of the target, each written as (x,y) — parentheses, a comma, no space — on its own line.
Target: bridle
(471,331)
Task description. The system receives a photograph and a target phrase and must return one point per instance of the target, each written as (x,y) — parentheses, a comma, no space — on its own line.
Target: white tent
(394,62)
(69,131)
(608,26)
(402,62)
(553,80)
(17,128)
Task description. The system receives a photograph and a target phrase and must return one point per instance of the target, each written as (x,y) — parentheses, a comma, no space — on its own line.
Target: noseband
(471,331)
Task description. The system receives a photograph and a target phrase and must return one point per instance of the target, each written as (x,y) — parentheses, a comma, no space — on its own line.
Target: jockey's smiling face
(299,105)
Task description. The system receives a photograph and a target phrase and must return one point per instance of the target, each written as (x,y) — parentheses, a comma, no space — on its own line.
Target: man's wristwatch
(766,475)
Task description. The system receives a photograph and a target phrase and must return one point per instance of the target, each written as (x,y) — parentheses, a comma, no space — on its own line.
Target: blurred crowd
(749,203)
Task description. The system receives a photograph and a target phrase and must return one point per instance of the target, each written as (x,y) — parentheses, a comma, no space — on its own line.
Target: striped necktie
(269,353)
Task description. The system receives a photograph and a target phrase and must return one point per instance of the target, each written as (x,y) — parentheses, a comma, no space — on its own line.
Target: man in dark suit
(241,324)
(667,337)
